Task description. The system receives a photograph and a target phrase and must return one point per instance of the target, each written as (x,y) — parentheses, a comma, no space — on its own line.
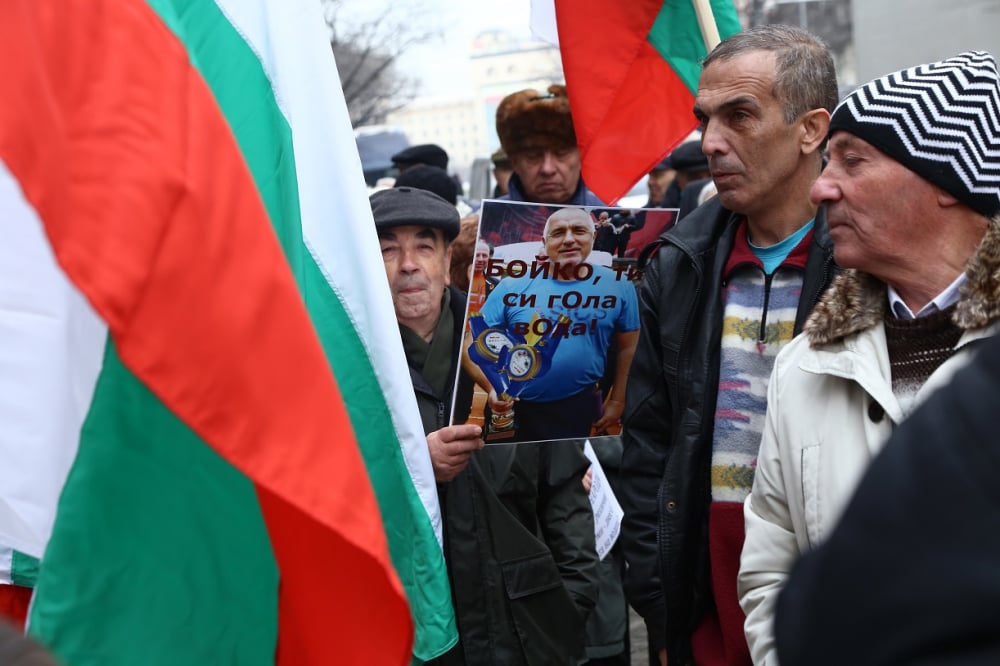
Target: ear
(945,200)
(815,125)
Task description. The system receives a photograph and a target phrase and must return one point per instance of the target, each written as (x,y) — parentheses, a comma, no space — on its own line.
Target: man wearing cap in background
(691,165)
(430,154)
(502,172)
(522,584)
(434,179)
(911,193)
(536,132)
(658,181)
(431,178)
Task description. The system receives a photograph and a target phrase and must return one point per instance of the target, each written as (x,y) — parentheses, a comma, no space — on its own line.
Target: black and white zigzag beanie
(941,121)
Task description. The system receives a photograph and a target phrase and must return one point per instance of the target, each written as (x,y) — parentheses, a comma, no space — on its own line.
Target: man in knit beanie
(912,193)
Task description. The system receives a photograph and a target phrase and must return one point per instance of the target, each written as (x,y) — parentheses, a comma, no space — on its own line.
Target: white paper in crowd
(608,512)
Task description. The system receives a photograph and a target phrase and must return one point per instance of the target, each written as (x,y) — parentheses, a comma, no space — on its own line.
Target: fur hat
(941,121)
(403,206)
(528,117)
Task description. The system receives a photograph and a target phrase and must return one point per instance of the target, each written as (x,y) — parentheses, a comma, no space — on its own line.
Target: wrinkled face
(751,150)
(658,182)
(416,262)
(547,174)
(877,209)
(481,257)
(569,236)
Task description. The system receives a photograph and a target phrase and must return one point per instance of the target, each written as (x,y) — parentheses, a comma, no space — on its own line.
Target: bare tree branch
(368,54)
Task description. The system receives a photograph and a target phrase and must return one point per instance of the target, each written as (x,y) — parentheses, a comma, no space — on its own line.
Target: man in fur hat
(536,132)
(911,194)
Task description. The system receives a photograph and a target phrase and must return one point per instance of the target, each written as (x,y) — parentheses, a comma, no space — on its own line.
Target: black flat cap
(431,178)
(425,153)
(663,164)
(688,157)
(402,206)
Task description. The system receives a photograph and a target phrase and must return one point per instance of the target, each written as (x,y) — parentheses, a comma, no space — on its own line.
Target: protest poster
(608,513)
(553,320)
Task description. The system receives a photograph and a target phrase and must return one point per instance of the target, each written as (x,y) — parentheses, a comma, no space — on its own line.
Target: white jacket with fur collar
(830,409)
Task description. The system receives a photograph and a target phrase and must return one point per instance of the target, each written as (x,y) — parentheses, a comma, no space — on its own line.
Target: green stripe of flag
(152,468)
(244,93)
(676,36)
(23,569)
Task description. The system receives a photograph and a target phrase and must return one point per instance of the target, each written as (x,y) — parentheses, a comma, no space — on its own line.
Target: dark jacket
(522,583)
(669,418)
(581,197)
(909,575)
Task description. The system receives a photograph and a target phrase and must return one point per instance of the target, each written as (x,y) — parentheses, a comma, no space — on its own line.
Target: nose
(825,189)
(712,139)
(408,260)
(548,164)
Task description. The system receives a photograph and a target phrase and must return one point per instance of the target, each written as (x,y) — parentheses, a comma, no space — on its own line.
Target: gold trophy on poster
(510,361)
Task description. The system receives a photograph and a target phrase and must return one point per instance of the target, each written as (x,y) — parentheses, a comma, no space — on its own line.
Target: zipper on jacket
(762,337)
(441,422)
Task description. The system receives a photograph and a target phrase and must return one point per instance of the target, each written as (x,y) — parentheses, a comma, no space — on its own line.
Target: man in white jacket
(911,194)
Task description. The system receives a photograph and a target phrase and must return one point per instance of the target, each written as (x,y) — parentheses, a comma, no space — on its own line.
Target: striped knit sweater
(758,320)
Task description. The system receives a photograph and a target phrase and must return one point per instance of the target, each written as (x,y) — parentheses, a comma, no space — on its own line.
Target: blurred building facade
(463,124)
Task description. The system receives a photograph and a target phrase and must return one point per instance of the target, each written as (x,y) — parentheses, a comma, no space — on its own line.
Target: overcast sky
(442,64)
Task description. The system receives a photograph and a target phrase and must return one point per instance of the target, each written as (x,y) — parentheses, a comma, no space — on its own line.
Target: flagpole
(706,21)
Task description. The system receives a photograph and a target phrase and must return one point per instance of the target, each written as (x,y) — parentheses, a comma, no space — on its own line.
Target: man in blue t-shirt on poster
(582,310)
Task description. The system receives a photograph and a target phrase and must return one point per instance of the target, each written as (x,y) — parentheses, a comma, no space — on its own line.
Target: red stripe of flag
(630,107)
(163,230)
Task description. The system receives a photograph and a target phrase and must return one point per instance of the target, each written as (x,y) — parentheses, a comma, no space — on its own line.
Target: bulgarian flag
(632,74)
(201,378)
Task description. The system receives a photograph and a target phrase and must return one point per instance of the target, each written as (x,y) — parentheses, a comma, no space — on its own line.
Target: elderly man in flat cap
(522,583)
(911,193)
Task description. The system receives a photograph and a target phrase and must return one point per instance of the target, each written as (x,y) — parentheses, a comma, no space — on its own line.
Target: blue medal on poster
(509,361)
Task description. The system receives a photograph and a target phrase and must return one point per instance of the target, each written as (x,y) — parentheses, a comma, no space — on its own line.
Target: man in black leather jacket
(727,288)
(522,581)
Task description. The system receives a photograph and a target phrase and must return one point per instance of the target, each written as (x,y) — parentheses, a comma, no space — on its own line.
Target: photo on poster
(553,319)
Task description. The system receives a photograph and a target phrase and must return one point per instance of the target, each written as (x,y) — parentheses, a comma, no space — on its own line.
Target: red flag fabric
(632,74)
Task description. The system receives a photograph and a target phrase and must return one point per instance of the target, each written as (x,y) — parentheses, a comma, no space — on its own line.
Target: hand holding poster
(557,322)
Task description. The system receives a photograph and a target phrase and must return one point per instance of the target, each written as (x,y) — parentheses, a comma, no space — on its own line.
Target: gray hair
(805,79)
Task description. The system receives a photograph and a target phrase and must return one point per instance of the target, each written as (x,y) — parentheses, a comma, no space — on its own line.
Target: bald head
(569,236)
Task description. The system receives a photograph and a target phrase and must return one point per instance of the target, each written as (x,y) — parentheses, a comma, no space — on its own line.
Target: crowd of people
(832,267)
(785,402)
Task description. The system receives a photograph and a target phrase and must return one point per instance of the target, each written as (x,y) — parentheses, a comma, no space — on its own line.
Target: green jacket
(519,543)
